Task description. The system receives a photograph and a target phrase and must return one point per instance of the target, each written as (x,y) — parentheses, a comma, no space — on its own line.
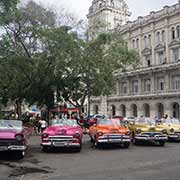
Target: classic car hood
(8,134)
(63,130)
(144,127)
(168,126)
(120,129)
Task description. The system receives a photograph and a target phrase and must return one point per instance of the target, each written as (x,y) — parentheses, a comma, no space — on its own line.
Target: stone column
(168,109)
(153,110)
(140,85)
(104,105)
(153,44)
(167,82)
(140,112)
(128,110)
(167,41)
(152,82)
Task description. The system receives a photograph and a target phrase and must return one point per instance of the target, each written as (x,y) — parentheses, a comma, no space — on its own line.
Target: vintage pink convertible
(13,137)
(62,133)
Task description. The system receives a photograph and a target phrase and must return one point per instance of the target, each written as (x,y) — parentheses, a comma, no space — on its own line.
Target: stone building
(153,89)
(105,15)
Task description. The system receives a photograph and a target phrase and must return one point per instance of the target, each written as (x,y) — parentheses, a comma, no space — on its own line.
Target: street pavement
(135,163)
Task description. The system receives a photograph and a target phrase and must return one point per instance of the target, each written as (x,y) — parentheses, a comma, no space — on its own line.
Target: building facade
(153,89)
(105,15)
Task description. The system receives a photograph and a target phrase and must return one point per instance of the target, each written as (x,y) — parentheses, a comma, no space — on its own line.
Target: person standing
(43,125)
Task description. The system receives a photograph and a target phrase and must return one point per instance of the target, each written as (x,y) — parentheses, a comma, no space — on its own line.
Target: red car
(62,133)
(13,137)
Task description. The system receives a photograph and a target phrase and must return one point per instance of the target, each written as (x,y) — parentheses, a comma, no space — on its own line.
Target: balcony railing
(147,94)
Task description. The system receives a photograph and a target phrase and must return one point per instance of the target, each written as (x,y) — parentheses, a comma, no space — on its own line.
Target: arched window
(145,41)
(134,111)
(135,86)
(158,37)
(163,36)
(176,110)
(133,44)
(173,33)
(146,110)
(113,109)
(149,39)
(178,31)
(137,43)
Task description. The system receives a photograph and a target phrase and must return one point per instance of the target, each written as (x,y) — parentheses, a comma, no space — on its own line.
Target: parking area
(137,162)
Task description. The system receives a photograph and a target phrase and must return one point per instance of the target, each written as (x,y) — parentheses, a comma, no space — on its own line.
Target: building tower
(106,15)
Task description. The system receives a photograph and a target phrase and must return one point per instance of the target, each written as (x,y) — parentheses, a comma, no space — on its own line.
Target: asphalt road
(135,163)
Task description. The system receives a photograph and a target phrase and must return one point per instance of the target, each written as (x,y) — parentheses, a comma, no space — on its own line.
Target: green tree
(19,47)
(94,72)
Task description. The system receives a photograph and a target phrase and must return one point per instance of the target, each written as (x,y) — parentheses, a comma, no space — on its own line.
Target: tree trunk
(18,108)
(88,105)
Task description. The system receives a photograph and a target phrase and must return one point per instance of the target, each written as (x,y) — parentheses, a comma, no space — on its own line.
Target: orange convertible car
(106,131)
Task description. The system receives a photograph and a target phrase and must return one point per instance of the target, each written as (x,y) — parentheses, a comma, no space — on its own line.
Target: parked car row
(67,133)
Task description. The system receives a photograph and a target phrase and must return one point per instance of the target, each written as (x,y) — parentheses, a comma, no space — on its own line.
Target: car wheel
(136,142)
(20,154)
(161,143)
(78,149)
(126,145)
(45,149)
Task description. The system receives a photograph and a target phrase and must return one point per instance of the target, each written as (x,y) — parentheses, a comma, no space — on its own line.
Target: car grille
(115,136)
(61,138)
(152,134)
(8,142)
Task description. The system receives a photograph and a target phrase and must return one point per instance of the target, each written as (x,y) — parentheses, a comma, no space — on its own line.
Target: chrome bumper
(13,148)
(114,139)
(174,136)
(149,138)
(60,144)
(60,141)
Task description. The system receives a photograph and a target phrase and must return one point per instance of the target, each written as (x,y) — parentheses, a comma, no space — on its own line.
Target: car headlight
(100,133)
(128,133)
(171,130)
(77,135)
(45,135)
(164,131)
(19,137)
(138,131)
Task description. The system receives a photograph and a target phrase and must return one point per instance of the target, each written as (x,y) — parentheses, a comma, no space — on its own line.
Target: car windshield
(10,124)
(104,121)
(63,122)
(171,121)
(145,121)
(117,122)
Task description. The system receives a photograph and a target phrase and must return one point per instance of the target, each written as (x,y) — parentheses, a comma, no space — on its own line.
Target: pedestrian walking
(43,125)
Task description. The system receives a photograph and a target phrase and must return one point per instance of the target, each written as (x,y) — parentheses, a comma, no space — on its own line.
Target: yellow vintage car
(172,128)
(144,130)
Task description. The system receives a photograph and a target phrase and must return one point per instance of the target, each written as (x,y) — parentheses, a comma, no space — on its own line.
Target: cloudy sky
(137,7)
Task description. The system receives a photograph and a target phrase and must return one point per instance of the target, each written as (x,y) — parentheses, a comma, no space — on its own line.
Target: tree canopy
(39,56)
